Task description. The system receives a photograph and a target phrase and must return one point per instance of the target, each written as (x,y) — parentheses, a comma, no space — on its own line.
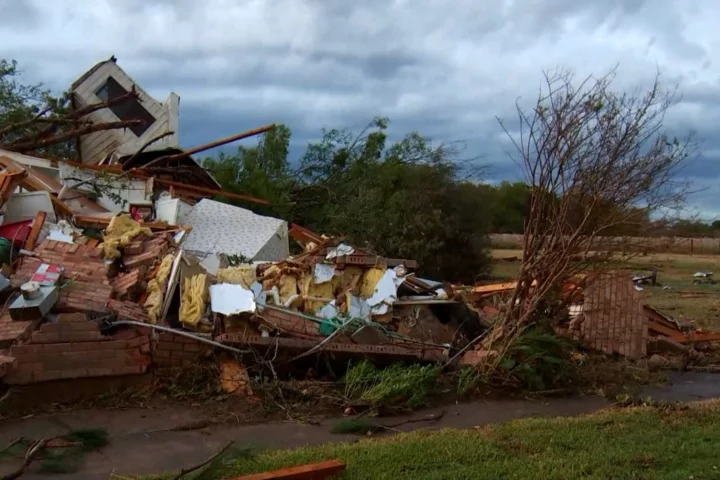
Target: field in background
(682,245)
(682,300)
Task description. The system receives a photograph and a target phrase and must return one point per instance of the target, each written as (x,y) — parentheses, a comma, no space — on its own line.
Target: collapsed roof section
(157,136)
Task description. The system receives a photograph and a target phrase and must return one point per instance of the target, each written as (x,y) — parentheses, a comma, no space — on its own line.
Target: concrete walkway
(145,441)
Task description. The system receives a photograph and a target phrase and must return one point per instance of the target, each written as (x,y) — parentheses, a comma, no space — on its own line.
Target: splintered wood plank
(35,230)
(313,471)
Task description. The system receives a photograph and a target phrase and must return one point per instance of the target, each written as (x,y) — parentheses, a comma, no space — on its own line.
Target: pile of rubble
(139,298)
(123,261)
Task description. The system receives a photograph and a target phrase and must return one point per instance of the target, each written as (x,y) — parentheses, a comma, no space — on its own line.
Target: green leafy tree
(400,200)
(262,171)
(30,107)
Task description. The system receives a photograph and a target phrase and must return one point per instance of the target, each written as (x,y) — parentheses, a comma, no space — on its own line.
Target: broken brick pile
(74,347)
(143,253)
(87,289)
(128,286)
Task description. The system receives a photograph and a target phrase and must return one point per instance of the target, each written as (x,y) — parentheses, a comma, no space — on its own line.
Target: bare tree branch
(598,164)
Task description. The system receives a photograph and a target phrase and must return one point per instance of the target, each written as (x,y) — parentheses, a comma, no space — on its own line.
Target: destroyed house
(106,81)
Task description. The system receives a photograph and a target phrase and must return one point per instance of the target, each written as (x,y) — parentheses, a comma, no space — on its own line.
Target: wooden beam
(314,471)
(35,230)
(143,173)
(301,234)
(216,143)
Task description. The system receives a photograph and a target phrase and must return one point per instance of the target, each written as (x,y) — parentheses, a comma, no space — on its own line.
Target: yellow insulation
(194,300)
(370,280)
(308,288)
(121,231)
(156,289)
(242,275)
(288,286)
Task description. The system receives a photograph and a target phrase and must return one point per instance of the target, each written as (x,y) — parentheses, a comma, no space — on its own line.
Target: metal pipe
(177,332)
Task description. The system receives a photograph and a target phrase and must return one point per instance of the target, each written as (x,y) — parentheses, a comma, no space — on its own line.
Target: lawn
(683,300)
(633,443)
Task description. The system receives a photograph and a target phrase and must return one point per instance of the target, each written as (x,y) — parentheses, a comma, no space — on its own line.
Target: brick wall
(73,347)
(172,350)
(12,331)
(84,297)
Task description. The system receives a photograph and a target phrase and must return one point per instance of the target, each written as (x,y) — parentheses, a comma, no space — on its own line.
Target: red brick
(7,364)
(134,248)
(29,358)
(25,368)
(82,327)
(128,334)
(80,336)
(129,370)
(50,328)
(48,348)
(72,317)
(74,373)
(98,345)
(138,341)
(25,349)
(137,361)
(194,347)
(100,371)
(161,354)
(167,337)
(41,337)
(146,258)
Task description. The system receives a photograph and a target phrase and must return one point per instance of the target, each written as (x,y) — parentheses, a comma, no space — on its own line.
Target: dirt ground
(675,295)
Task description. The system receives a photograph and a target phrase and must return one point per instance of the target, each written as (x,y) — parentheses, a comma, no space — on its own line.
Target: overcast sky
(443,68)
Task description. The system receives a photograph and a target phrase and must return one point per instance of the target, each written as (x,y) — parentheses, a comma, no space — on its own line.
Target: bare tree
(598,163)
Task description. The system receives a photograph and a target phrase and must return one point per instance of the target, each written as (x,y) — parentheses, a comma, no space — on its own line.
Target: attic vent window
(127,110)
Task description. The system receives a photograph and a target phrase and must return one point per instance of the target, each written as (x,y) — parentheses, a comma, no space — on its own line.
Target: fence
(707,246)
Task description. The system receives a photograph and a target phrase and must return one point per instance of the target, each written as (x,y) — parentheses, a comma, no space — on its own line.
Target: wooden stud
(314,471)
(35,230)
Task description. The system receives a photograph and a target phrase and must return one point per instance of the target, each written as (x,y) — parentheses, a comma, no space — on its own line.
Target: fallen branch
(185,471)
(32,452)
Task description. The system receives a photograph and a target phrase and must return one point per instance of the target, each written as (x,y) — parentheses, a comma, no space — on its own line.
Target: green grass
(633,443)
